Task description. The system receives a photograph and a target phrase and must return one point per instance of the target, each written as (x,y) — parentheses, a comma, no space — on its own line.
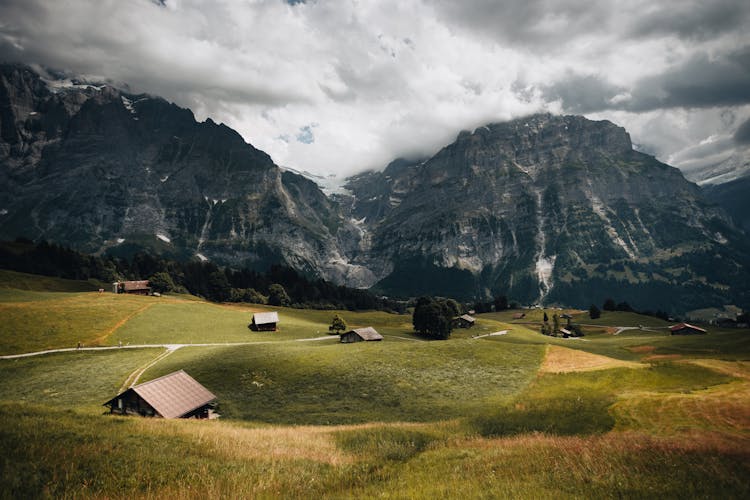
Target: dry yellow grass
(721,411)
(563,360)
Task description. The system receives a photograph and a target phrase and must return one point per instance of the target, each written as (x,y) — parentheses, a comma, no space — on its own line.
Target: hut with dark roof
(686,329)
(176,395)
(264,322)
(368,334)
(464,321)
(140,287)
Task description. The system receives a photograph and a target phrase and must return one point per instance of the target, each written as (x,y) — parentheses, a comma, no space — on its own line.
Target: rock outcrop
(547,209)
(103,170)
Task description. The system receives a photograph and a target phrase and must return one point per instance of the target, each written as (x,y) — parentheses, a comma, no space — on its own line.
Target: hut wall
(350,337)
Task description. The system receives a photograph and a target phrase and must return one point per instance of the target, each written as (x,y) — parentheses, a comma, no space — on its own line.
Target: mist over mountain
(544,209)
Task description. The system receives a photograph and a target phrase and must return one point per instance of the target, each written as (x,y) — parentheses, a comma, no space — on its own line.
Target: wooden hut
(176,395)
(139,287)
(686,329)
(519,315)
(368,334)
(264,322)
(464,321)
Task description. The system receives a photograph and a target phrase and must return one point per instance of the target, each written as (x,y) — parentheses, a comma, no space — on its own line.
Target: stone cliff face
(546,209)
(101,169)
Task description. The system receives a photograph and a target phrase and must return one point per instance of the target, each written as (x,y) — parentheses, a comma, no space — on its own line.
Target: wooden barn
(368,334)
(139,287)
(464,321)
(264,322)
(176,395)
(686,329)
(519,315)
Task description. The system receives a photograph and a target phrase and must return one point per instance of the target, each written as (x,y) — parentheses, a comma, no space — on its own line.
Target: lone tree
(277,295)
(433,317)
(162,282)
(556,324)
(338,325)
(594,312)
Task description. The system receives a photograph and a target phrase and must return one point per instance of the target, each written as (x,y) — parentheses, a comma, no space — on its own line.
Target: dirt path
(110,331)
(493,334)
(133,377)
(172,347)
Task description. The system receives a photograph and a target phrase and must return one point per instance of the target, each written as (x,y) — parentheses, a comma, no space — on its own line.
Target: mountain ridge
(545,209)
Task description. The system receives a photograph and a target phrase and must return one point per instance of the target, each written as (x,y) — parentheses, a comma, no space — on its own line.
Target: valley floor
(637,414)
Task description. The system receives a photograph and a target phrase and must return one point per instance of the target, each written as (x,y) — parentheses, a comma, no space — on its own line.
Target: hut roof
(519,315)
(466,317)
(265,318)
(368,333)
(565,331)
(174,395)
(680,326)
(135,285)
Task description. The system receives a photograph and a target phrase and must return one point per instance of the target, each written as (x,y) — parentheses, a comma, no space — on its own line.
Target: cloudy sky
(338,86)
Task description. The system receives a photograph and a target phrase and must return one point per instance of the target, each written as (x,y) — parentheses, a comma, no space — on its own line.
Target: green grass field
(485,417)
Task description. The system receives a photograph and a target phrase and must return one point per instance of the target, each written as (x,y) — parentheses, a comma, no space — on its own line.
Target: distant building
(132,287)
(464,321)
(368,334)
(176,395)
(725,322)
(686,329)
(264,322)
(566,332)
(519,315)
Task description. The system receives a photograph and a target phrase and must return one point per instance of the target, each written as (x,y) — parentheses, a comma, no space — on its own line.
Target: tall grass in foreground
(50,453)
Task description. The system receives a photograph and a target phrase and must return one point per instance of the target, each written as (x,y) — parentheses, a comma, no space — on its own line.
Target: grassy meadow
(617,413)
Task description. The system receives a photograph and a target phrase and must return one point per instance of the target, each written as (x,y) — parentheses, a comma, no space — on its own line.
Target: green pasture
(79,381)
(402,418)
(331,383)
(192,322)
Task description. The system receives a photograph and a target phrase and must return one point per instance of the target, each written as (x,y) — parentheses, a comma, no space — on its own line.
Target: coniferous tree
(338,325)
(594,312)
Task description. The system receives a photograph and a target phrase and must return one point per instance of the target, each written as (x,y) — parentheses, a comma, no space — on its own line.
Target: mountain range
(544,209)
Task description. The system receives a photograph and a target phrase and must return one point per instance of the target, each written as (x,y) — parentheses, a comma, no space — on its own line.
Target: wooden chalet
(464,321)
(519,315)
(686,329)
(176,395)
(264,322)
(368,334)
(139,287)
(566,333)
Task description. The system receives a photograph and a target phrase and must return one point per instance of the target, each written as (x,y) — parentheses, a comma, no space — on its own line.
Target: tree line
(278,285)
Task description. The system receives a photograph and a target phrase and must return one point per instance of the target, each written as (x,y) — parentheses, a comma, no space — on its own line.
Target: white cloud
(387,78)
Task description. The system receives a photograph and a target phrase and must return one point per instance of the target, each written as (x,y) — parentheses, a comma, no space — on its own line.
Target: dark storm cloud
(582,93)
(699,82)
(546,24)
(533,23)
(691,19)
(742,135)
